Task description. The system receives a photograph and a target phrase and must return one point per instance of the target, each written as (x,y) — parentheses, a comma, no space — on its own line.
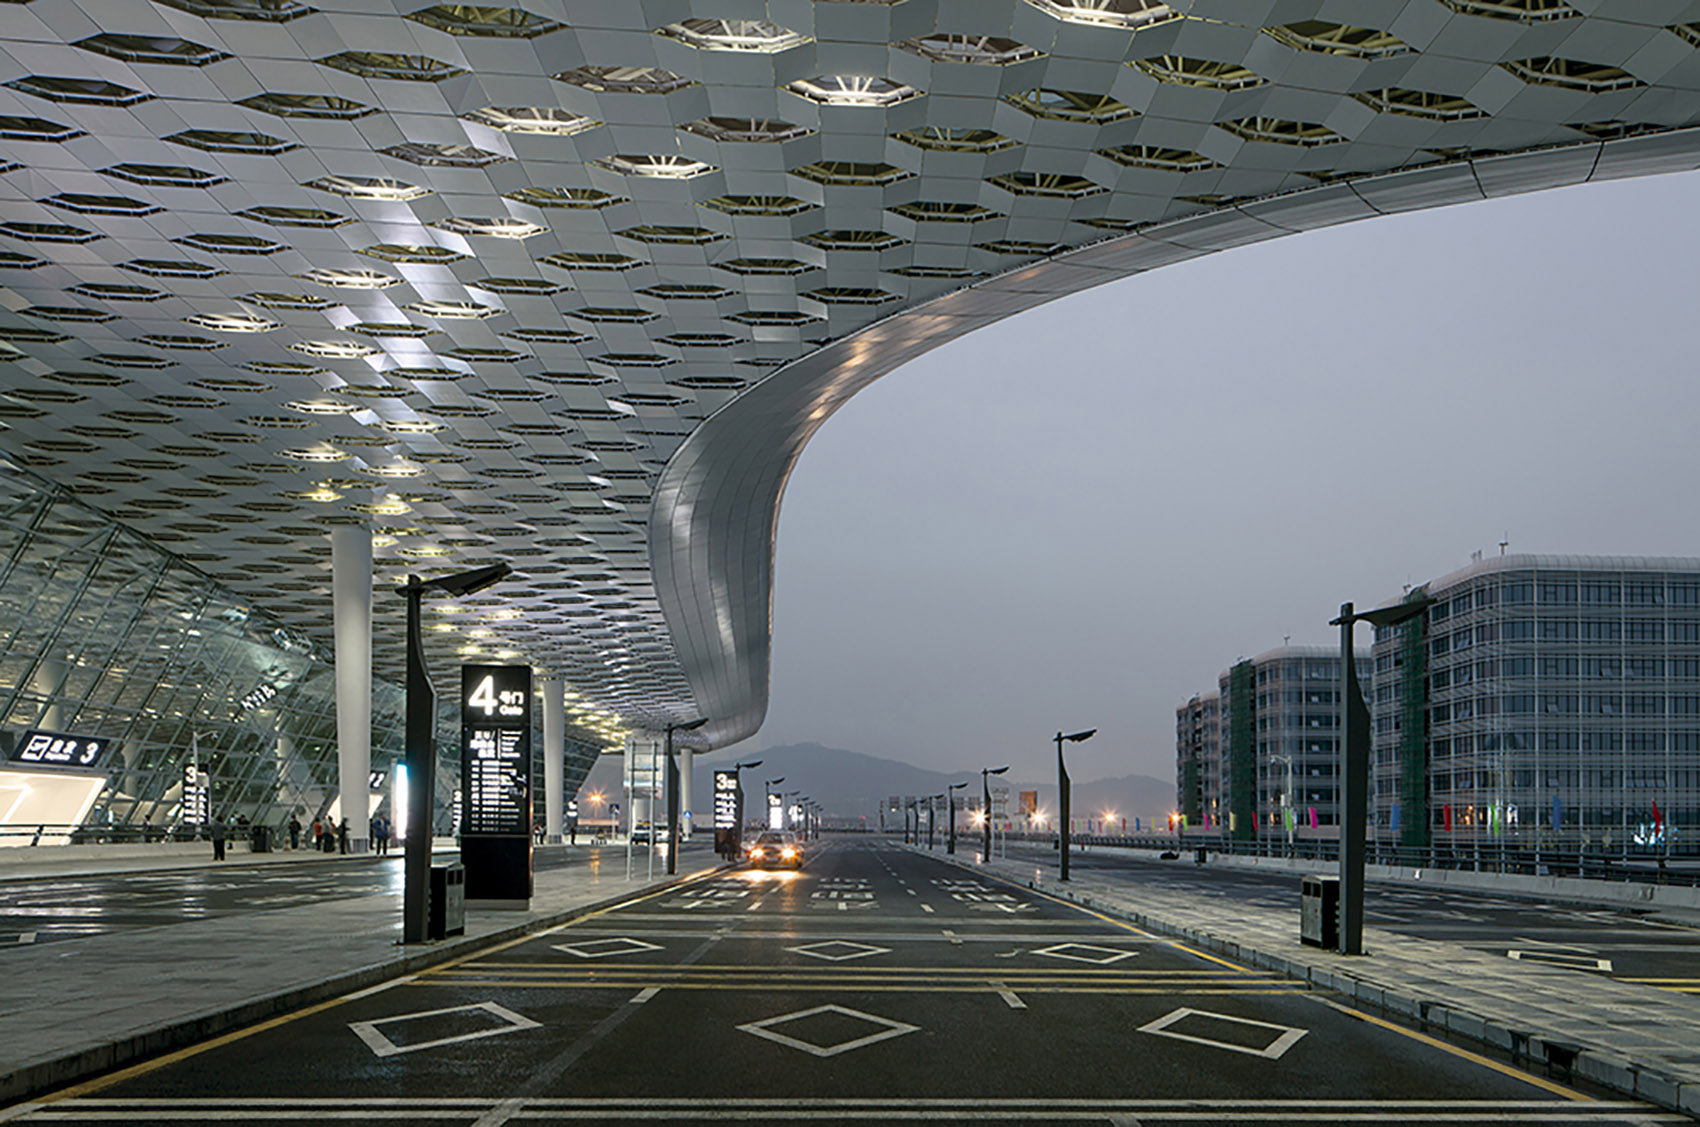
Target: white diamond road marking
(845,950)
(1561,959)
(602,948)
(1097,956)
(890,1029)
(367,1031)
(1272,1051)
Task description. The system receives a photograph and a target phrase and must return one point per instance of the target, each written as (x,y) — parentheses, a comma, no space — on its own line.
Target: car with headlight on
(774,850)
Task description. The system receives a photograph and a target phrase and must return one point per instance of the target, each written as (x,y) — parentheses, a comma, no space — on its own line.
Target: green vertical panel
(1192,795)
(1414,828)
(1242,751)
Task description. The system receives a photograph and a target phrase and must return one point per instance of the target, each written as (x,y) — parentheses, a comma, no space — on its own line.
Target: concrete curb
(44,1076)
(1602,1067)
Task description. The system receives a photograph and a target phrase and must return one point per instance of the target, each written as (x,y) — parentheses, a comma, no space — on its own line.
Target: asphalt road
(874,985)
(45,910)
(1623,942)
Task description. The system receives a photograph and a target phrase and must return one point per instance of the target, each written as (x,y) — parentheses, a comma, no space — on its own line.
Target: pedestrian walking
(218,834)
(342,836)
(319,834)
(294,832)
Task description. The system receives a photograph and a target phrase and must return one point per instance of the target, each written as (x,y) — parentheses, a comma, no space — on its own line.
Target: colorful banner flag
(1658,820)
(1313,822)
(1395,818)
(1557,812)
(1448,810)
(1291,820)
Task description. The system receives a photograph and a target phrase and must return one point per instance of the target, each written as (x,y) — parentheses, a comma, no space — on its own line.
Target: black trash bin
(260,839)
(448,902)
(1319,912)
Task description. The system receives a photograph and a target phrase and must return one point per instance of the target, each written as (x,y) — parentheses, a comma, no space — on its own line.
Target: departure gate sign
(496,749)
(726,829)
(38,748)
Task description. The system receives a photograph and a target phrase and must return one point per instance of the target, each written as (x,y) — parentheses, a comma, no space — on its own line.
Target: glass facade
(1234,746)
(107,635)
(1560,704)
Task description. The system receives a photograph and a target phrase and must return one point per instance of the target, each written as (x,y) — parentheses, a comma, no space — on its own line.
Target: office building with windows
(1542,702)
(1270,749)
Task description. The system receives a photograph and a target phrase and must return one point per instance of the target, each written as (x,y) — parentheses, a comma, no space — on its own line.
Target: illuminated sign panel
(495,779)
(727,832)
(39,748)
(197,803)
(496,749)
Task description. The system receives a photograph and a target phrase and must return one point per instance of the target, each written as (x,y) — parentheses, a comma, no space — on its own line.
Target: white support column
(686,755)
(554,756)
(351,590)
(48,679)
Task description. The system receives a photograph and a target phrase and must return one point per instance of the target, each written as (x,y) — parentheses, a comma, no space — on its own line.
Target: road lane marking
(970,1109)
(1272,1050)
(955,940)
(644,995)
(26,937)
(888,1029)
(101,1083)
(382,1046)
(756,905)
(1009,996)
(926,907)
(380,988)
(606,948)
(500,1114)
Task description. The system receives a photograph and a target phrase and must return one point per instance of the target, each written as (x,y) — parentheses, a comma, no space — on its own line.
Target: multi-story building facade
(1273,747)
(1542,700)
(1198,755)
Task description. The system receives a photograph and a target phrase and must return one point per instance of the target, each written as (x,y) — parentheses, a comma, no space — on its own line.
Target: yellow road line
(866,987)
(101,1083)
(806,969)
(1515,1073)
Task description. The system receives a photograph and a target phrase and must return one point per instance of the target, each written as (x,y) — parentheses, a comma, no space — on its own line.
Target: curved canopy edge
(716,512)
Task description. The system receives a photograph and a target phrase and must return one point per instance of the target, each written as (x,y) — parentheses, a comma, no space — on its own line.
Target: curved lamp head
(466,582)
(1078,736)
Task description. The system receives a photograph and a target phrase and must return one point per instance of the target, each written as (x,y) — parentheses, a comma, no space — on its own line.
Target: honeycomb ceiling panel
(571,284)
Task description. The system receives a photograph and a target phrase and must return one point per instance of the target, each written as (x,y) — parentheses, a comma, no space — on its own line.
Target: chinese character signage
(496,749)
(495,780)
(59,749)
(727,813)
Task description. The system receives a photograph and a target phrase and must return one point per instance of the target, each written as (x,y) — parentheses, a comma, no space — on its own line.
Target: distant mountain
(849,784)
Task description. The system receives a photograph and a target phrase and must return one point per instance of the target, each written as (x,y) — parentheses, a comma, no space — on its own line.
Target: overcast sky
(1078,517)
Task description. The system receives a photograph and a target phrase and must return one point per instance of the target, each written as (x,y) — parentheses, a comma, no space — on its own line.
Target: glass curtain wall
(105,634)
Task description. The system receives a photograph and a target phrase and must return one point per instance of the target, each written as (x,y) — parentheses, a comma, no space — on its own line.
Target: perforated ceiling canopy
(571,285)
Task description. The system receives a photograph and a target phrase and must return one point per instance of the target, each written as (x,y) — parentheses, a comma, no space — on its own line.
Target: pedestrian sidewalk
(78,1007)
(1632,1038)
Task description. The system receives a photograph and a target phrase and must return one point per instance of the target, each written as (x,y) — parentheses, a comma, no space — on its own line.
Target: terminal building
(1542,702)
(1260,755)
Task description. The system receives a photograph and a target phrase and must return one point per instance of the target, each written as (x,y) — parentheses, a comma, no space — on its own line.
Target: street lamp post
(950,818)
(673,795)
(738,829)
(1063,791)
(421,755)
(932,816)
(1354,760)
(986,809)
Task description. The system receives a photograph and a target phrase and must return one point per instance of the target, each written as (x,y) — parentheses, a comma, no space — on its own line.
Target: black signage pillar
(728,814)
(495,764)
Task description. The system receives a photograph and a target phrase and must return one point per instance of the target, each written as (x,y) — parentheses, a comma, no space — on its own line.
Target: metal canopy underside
(572,285)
